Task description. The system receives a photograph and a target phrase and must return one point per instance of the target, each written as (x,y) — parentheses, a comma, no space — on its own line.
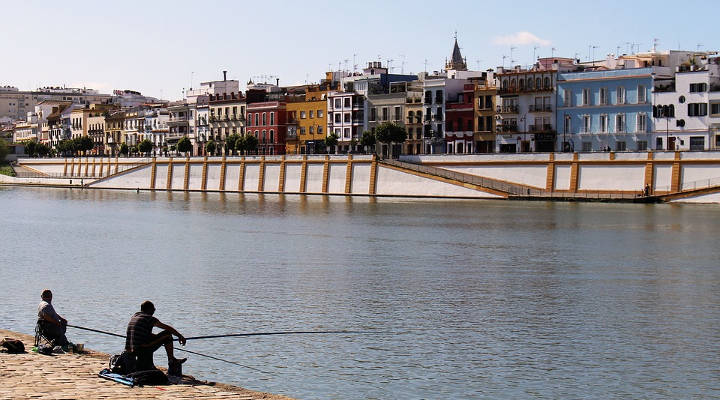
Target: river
(458,299)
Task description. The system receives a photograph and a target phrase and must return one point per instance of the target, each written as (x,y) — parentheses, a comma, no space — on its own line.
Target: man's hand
(181,339)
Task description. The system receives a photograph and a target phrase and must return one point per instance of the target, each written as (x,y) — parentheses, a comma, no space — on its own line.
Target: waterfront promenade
(74,376)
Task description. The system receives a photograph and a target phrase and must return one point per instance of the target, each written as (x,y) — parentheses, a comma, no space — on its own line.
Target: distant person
(142,343)
(53,325)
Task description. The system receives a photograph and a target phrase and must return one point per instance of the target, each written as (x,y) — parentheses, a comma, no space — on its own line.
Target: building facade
(267,121)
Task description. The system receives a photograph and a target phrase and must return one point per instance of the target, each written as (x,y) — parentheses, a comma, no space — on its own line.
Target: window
(397,114)
(697,143)
(264,118)
(642,145)
(698,87)
(604,123)
(697,109)
(272,136)
(302,114)
(338,103)
(319,129)
(620,145)
(319,113)
(347,102)
(384,114)
(567,100)
(586,123)
(481,123)
(312,130)
(620,95)
(603,96)
(428,96)
(641,122)
(256,119)
(311,114)
(439,97)
(642,94)
(586,146)
(347,117)
(338,118)
(234,109)
(346,133)
(264,136)
(620,123)
(714,108)
(547,83)
(272,118)
(586,97)
(373,114)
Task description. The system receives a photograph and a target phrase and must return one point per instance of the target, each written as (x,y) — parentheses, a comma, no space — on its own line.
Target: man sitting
(142,343)
(53,325)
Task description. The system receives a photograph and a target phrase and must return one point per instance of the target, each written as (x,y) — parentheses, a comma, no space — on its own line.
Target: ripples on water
(467,299)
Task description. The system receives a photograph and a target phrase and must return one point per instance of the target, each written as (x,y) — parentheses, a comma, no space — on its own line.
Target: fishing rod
(271,333)
(179,349)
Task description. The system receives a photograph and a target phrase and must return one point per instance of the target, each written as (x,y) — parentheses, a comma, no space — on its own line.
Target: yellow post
(223,171)
(303,174)
(261,176)
(348,175)
(168,184)
(326,174)
(241,176)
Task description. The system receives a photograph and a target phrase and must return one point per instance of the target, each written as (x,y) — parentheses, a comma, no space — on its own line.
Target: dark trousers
(54,333)
(144,353)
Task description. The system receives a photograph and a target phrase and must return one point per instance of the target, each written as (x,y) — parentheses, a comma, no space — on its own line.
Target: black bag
(123,364)
(13,346)
(149,377)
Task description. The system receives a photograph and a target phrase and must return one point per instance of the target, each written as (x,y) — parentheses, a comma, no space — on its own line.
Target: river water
(460,299)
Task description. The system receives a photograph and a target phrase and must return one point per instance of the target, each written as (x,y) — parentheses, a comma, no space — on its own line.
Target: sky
(161,47)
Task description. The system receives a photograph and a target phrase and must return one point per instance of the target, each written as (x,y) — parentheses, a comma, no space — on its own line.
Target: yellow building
(307,122)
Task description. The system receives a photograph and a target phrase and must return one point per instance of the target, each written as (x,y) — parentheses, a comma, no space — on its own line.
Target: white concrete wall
(631,156)
(232,177)
(252,177)
(336,181)
(178,176)
(161,177)
(469,158)
(195,178)
(697,175)
(360,179)
(700,155)
(292,178)
(611,177)
(562,177)
(533,175)
(272,178)
(662,176)
(137,179)
(213,176)
(705,198)
(391,182)
(313,183)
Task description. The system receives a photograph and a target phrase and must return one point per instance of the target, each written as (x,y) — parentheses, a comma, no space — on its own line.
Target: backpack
(149,377)
(123,364)
(13,346)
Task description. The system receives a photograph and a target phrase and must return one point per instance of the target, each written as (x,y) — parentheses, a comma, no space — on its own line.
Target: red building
(267,120)
(459,120)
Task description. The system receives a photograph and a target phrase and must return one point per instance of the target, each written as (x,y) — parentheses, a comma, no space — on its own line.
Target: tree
(85,144)
(231,143)
(30,148)
(124,149)
(3,150)
(145,147)
(389,133)
(240,144)
(368,139)
(184,145)
(210,147)
(331,140)
(250,143)
(42,149)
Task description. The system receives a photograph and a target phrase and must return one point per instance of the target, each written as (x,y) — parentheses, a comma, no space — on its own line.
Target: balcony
(511,109)
(507,128)
(540,128)
(540,108)
(517,90)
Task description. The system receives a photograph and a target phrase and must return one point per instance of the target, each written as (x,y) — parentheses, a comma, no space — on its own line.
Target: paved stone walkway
(74,376)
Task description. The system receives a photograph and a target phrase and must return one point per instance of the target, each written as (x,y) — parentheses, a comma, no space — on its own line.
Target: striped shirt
(139,331)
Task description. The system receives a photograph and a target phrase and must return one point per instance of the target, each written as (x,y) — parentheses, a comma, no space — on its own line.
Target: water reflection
(469,299)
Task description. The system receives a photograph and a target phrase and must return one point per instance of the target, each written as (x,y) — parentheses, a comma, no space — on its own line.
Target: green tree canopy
(30,148)
(331,140)
(124,149)
(184,145)
(231,142)
(85,143)
(42,149)
(4,150)
(145,147)
(368,139)
(389,132)
(210,147)
(250,143)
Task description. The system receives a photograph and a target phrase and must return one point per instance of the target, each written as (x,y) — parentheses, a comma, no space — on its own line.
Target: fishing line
(176,348)
(272,333)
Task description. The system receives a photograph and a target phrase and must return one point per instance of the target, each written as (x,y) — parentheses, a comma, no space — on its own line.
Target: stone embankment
(74,376)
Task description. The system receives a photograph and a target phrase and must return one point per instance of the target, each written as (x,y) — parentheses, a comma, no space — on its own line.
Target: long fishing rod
(179,349)
(272,333)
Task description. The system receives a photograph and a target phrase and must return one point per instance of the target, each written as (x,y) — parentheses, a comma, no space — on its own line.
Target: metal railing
(100,171)
(693,185)
(505,187)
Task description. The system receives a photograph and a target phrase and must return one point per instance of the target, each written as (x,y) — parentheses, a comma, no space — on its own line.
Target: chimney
(224,75)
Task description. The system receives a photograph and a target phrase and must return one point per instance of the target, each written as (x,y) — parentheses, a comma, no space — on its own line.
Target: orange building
(307,122)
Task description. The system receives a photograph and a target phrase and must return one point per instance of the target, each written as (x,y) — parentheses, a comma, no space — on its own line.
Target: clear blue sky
(156,46)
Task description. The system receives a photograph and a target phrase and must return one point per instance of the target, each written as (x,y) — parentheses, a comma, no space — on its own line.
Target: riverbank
(74,376)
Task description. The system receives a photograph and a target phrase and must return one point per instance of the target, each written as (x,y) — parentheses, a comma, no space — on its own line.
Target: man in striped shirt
(141,342)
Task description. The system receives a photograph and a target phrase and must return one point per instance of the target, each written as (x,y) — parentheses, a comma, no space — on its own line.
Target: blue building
(605,109)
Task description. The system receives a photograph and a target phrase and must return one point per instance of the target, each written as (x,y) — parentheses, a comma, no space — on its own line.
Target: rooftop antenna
(552,52)
(354,63)
(191,78)
(534,50)
(389,63)
(426,65)
(617,51)
(512,60)
(402,64)
(503,63)
(478,63)
(628,45)
(593,54)
(633,47)
(346,64)
(655,43)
